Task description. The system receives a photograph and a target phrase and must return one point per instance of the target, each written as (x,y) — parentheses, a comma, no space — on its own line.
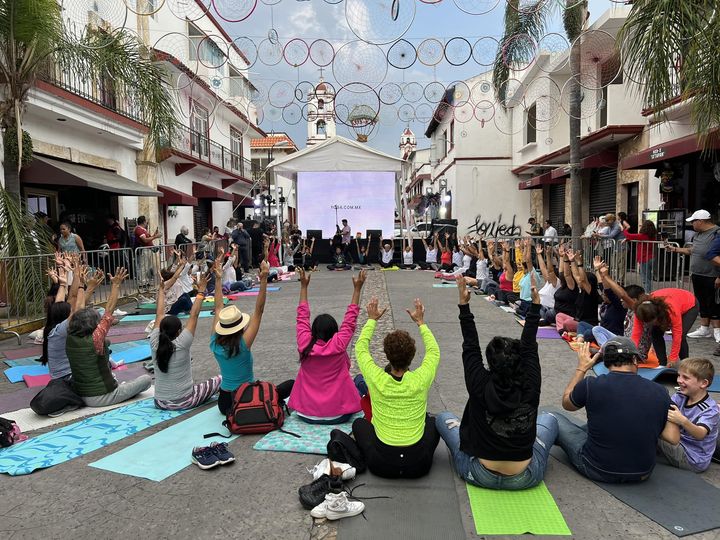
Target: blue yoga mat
(313,437)
(28,361)
(82,437)
(167,452)
(127,345)
(134,354)
(445,285)
(151,317)
(257,289)
(652,374)
(15,374)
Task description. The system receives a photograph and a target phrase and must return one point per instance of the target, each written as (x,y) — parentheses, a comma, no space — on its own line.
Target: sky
(309,20)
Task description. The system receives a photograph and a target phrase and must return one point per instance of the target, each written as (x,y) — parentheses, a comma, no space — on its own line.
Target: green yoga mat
(151,317)
(528,511)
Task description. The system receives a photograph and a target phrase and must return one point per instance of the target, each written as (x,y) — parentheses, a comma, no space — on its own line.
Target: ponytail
(58,312)
(170,328)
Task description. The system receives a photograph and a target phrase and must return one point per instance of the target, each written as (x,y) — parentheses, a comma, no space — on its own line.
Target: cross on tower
(321,73)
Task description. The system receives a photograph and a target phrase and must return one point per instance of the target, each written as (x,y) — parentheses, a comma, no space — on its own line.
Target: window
(196,36)
(236,149)
(604,108)
(321,105)
(199,126)
(237,83)
(452,135)
(530,124)
(321,127)
(443,146)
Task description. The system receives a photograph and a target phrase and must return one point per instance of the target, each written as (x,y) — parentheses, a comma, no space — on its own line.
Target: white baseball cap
(699,214)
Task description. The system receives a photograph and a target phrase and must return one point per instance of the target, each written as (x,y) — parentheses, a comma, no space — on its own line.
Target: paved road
(256,497)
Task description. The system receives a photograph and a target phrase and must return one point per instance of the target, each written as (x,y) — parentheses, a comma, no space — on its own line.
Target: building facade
(276,145)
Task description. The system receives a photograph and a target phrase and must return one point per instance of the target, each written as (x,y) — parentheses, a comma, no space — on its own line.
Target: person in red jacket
(665,309)
(644,252)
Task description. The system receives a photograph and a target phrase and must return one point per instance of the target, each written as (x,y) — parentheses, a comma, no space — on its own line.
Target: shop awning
(556,176)
(653,156)
(202,191)
(245,202)
(49,171)
(173,197)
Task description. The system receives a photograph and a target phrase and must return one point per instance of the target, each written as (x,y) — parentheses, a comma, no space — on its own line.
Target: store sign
(658,153)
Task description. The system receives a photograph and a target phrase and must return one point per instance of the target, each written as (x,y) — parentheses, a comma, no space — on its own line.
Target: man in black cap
(627,414)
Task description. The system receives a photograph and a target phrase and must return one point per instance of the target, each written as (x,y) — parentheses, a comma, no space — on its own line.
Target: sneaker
(205,457)
(340,507)
(119,313)
(224,455)
(149,327)
(716,334)
(320,511)
(312,494)
(333,468)
(701,332)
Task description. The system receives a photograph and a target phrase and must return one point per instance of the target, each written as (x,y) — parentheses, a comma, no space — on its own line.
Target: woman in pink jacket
(324,392)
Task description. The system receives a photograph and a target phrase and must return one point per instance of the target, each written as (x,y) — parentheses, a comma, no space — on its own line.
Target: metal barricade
(653,267)
(23,288)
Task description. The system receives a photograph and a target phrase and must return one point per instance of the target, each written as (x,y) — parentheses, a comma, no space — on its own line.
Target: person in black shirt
(501,442)
(256,243)
(626,416)
(339,260)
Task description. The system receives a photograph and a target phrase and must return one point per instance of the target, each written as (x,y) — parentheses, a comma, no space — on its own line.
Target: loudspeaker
(314,233)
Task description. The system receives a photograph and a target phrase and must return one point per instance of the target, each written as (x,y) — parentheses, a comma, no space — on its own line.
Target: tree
(531,20)
(671,48)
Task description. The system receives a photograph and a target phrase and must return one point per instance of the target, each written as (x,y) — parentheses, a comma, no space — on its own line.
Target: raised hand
(373,311)
(598,263)
(570,254)
(533,289)
(264,270)
(505,245)
(463,292)
(97,278)
(418,314)
(202,282)
(358,281)
(517,243)
(539,249)
(120,275)
(52,274)
(585,361)
(304,277)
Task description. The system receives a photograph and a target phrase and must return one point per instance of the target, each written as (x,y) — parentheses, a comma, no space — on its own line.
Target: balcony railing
(205,150)
(103,91)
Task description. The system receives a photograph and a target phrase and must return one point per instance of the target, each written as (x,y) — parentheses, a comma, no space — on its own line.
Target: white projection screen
(365,198)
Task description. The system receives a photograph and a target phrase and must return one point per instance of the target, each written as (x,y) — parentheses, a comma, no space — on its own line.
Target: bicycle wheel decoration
(388,116)
(529,7)
(273,114)
(442,111)
(458,51)
(258,93)
(296,52)
(519,51)
(460,93)
(186,10)
(482,90)
(303,90)
(413,92)
(360,61)
(544,94)
(476,7)
(309,112)
(281,94)
(143,7)
(424,113)
(406,113)
(590,101)
(555,47)
(321,53)
(464,113)
(248,49)
(212,52)
(402,54)
(270,2)
(484,112)
(292,114)
(76,20)
(379,21)
(434,91)
(430,52)
(485,51)
(176,45)
(234,10)
(270,53)
(508,123)
(390,93)
(512,92)
(599,60)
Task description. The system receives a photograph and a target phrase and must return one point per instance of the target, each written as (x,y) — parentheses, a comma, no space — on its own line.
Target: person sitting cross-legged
(627,414)
(401,440)
(502,442)
(339,262)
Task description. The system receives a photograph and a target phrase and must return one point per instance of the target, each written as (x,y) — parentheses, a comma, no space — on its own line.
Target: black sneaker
(221,451)
(314,493)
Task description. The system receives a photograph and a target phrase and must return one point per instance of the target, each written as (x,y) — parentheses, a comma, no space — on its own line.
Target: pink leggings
(565,323)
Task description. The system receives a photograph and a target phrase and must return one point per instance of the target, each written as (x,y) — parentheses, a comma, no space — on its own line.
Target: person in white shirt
(431,253)
(457,257)
(552,283)
(551,233)
(386,255)
(408,263)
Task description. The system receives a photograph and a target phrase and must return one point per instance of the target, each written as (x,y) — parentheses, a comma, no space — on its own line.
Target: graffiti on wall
(495,228)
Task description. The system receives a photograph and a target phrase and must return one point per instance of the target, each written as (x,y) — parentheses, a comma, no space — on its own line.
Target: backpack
(56,396)
(256,408)
(10,433)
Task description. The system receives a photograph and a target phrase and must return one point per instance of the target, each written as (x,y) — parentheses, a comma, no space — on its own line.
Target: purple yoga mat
(127,337)
(548,332)
(124,330)
(20,399)
(14,354)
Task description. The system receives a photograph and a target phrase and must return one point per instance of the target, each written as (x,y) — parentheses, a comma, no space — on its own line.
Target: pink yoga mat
(14,354)
(36,380)
(237,295)
(127,337)
(124,330)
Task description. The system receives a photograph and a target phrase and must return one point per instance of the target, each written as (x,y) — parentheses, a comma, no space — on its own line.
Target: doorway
(632,196)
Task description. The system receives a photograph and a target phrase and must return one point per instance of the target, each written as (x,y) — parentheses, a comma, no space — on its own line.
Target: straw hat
(231,320)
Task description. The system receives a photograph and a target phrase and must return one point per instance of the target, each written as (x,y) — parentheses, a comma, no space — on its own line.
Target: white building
(277,145)
(85,131)
(321,114)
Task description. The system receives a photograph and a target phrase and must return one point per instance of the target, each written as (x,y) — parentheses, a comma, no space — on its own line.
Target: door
(557,206)
(603,186)
(632,197)
(201,217)
(200,126)
(236,150)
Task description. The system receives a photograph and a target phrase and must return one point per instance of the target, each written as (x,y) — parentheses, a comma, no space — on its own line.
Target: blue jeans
(572,438)
(585,330)
(601,335)
(646,275)
(182,305)
(473,472)
(547,314)
(361,385)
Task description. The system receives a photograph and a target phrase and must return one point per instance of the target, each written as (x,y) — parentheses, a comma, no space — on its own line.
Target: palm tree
(672,48)
(531,20)
(35,42)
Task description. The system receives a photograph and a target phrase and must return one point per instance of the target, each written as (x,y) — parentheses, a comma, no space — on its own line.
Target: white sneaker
(320,511)
(149,327)
(324,467)
(716,332)
(340,507)
(701,332)
(36,334)
(119,313)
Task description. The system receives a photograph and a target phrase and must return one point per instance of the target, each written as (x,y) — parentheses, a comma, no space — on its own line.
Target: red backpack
(256,408)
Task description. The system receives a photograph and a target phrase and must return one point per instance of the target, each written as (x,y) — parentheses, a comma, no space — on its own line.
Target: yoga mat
(168,451)
(548,332)
(528,511)
(445,285)
(118,330)
(646,373)
(30,361)
(25,352)
(680,501)
(31,381)
(135,354)
(207,304)
(127,337)
(507,309)
(425,508)
(81,438)
(151,317)
(127,345)
(313,437)
(257,289)
(236,296)
(29,421)
(15,374)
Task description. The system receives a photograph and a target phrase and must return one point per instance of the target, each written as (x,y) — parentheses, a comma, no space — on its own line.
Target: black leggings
(386,265)
(704,288)
(225,397)
(658,337)
(396,461)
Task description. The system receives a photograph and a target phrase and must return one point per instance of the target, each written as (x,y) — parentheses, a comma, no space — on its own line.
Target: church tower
(408,143)
(321,114)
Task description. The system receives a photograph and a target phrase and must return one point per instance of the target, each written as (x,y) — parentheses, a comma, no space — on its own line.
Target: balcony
(199,149)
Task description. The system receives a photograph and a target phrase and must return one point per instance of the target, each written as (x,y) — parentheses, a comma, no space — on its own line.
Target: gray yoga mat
(680,501)
(423,508)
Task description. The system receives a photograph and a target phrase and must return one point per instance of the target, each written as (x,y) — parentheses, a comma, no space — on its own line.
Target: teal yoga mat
(151,317)
(29,361)
(134,354)
(81,438)
(257,289)
(15,374)
(313,437)
(167,452)
(656,373)
(445,285)
(205,306)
